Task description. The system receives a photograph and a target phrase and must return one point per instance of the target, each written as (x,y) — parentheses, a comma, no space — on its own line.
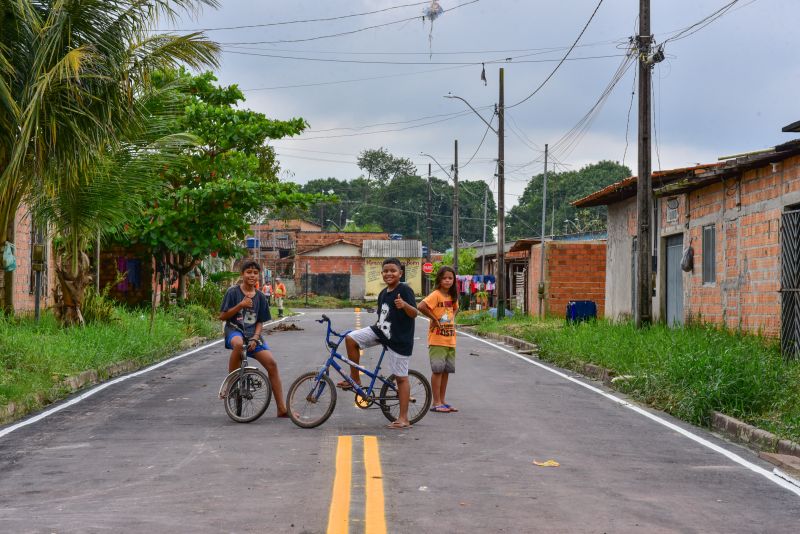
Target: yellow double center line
(374,514)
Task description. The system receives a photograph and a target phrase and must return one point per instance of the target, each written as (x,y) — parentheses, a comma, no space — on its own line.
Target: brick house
(25,236)
(574,269)
(742,219)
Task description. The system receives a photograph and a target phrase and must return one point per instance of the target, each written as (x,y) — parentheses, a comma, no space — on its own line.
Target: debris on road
(546,463)
(286,327)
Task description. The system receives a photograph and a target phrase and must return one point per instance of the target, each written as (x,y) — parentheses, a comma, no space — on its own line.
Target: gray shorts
(393,363)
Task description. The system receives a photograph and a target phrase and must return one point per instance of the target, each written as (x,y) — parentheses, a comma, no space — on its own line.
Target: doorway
(674,289)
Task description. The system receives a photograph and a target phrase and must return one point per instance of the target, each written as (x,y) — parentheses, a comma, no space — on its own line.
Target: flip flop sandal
(450,408)
(395,426)
(440,409)
(344,385)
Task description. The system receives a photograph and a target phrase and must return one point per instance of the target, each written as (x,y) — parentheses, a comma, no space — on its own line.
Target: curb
(754,438)
(73,383)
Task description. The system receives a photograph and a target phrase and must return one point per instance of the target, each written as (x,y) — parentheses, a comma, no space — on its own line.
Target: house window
(672,210)
(709,254)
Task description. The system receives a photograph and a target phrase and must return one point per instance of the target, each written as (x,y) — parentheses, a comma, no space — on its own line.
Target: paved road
(157,453)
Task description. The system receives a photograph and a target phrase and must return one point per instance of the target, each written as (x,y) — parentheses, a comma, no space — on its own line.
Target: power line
(540,50)
(460,63)
(301,21)
(562,59)
(341,34)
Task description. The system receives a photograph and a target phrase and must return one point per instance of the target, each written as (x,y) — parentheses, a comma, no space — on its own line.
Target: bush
(224,278)
(98,307)
(208,296)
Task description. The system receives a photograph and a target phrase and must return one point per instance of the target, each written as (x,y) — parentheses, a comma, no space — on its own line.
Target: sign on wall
(373,280)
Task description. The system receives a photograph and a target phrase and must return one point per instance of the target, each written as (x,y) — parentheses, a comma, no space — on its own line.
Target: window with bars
(672,210)
(709,254)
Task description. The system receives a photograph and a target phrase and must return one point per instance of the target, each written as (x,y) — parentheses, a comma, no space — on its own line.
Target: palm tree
(71,74)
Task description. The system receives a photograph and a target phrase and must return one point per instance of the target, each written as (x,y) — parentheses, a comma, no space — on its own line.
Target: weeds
(687,372)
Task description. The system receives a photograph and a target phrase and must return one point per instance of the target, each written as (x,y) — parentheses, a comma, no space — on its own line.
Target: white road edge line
(702,441)
(104,385)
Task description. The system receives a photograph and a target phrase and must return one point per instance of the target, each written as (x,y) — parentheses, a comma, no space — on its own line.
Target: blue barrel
(581,310)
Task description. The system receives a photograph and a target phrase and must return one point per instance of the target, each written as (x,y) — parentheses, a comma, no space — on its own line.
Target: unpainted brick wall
(747,216)
(573,271)
(24,298)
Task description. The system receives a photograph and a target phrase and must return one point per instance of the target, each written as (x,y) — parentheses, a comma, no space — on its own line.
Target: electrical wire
(461,63)
(488,126)
(702,23)
(341,34)
(628,122)
(562,59)
(302,21)
(339,82)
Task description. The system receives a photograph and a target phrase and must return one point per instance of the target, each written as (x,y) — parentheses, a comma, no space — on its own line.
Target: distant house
(741,217)
(25,236)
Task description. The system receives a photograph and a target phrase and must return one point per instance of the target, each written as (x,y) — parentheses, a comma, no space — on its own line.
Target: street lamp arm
(474,111)
(437,163)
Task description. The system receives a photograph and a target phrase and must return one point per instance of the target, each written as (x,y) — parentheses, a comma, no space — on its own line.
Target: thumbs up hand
(399,303)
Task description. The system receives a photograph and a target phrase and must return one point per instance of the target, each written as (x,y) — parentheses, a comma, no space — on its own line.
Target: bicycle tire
(247,404)
(304,412)
(419,403)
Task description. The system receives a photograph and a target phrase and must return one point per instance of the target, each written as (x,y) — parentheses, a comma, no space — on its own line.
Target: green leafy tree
(229,181)
(381,166)
(71,73)
(525,219)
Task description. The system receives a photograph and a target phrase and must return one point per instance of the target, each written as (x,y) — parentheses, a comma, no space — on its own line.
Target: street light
(437,163)
(501,262)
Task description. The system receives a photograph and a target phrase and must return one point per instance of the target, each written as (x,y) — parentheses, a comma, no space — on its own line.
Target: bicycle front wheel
(419,403)
(311,401)
(248,396)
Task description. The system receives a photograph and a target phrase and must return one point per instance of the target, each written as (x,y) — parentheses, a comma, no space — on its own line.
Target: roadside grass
(687,372)
(36,358)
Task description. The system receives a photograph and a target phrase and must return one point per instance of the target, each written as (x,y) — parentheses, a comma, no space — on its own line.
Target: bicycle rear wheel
(418,404)
(311,402)
(248,396)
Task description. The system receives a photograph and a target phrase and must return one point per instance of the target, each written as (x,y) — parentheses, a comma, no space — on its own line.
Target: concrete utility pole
(643,184)
(541,245)
(501,191)
(455,209)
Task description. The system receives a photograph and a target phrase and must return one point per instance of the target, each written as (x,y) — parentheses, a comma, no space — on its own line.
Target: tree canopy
(525,219)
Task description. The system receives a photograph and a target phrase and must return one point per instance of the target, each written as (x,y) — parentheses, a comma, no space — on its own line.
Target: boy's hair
(249,264)
(394,261)
(453,291)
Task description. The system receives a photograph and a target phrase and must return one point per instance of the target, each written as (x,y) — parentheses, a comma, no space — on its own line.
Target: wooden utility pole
(501,191)
(430,245)
(455,209)
(643,184)
(540,289)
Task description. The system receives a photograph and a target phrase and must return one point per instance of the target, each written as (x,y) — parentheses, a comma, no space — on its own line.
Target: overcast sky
(727,88)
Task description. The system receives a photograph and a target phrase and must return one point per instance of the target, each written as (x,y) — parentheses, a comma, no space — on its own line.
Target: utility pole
(483,239)
(428,255)
(643,183)
(455,209)
(501,216)
(541,245)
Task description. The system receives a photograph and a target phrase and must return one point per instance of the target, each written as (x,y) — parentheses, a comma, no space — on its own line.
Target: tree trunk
(70,291)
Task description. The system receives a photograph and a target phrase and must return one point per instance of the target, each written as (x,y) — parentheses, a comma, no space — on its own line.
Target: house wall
(574,271)
(123,290)
(619,259)
(24,296)
(746,212)
(534,277)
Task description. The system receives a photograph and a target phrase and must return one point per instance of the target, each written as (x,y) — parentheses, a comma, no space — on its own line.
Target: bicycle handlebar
(326,319)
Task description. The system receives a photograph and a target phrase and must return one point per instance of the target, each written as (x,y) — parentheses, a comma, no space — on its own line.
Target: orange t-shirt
(444,309)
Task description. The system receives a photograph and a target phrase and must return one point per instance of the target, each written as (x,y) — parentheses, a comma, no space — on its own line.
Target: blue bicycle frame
(332,362)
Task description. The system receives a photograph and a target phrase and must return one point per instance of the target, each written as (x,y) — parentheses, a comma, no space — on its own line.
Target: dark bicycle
(246,391)
(312,396)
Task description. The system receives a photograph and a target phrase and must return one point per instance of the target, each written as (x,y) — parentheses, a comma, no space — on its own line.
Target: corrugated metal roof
(393,248)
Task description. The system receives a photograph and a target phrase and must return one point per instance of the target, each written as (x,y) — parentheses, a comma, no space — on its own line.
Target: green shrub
(224,278)
(99,307)
(208,296)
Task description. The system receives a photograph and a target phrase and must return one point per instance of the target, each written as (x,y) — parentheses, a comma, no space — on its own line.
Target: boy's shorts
(261,346)
(443,359)
(393,363)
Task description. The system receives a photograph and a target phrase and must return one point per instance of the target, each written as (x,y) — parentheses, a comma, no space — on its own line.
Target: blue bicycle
(312,397)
